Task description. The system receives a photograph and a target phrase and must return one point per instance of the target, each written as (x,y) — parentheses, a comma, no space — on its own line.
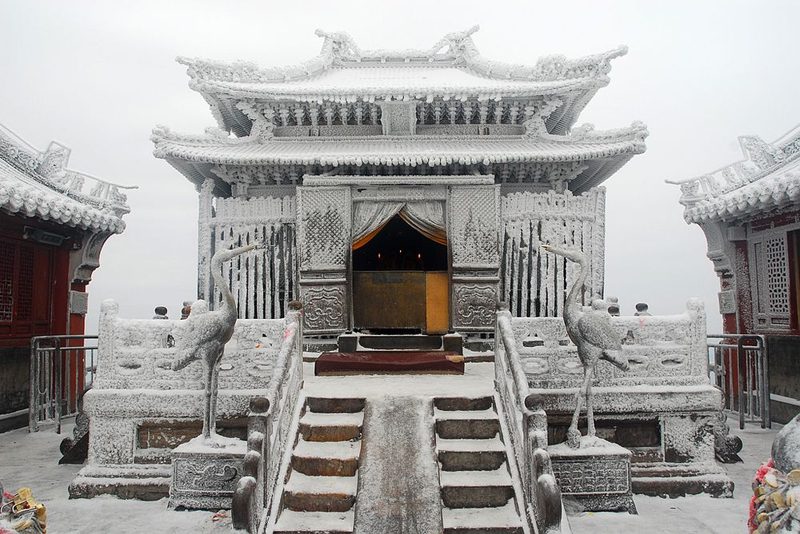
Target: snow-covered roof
(583,145)
(38,184)
(452,68)
(765,181)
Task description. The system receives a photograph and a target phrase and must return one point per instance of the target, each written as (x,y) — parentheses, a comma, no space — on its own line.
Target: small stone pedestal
(205,477)
(597,475)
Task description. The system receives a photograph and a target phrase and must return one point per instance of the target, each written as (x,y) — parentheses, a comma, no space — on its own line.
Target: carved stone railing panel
(661,350)
(136,353)
(534,284)
(472,235)
(263,281)
(324,236)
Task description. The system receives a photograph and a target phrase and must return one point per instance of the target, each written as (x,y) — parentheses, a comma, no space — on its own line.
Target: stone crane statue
(204,336)
(592,333)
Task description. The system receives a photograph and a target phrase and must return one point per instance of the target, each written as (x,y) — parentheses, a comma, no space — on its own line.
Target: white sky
(97,76)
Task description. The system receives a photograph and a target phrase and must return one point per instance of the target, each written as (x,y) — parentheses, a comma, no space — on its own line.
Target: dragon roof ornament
(764,180)
(454,49)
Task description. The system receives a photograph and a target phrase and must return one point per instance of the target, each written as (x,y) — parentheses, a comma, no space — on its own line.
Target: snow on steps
(477,490)
(496,520)
(316,426)
(292,522)
(323,481)
(475,424)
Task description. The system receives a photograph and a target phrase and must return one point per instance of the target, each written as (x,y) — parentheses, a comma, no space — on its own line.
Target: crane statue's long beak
(545,248)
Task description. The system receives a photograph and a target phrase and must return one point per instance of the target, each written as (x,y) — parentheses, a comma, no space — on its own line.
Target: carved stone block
(205,477)
(474,306)
(597,475)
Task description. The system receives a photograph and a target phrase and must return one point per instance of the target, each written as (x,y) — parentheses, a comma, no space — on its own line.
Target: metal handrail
(750,350)
(51,394)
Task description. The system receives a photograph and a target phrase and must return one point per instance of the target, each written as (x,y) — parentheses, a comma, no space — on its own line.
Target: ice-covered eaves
(406,150)
(38,184)
(765,181)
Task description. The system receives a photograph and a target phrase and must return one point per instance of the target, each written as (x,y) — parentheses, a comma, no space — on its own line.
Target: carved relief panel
(323,234)
(473,236)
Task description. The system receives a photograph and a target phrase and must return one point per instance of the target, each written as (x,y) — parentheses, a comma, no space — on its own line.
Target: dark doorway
(400,282)
(398,247)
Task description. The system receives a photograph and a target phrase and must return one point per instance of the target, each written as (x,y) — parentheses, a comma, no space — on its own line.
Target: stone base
(204,477)
(143,482)
(679,480)
(597,475)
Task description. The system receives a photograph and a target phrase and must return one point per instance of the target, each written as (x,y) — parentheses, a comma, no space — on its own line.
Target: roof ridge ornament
(339,45)
(458,43)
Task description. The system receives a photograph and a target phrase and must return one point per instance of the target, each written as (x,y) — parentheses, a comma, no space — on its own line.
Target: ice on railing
(660,350)
(136,354)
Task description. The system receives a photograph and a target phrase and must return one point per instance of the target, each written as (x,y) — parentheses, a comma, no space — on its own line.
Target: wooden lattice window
(769,271)
(26,285)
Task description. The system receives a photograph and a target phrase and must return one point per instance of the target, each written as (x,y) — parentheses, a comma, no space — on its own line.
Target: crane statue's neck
(572,305)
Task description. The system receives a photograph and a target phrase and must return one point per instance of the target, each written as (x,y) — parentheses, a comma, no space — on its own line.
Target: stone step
(463,403)
(467,424)
(291,522)
(499,520)
(400,342)
(343,426)
(326,458)
(304,493)
(335,405)
(476,489)
(470,454)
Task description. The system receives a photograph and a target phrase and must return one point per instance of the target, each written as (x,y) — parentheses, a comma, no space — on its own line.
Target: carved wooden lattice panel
(472,229)
(473,225)
(777,279)
(324,235)
(769,278)
(534,284)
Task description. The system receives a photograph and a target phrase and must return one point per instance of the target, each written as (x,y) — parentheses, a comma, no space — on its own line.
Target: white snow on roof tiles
(767,180)
(38,184)
(394,79)
(407,150)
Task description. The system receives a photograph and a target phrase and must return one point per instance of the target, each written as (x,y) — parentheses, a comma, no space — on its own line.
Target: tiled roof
(37,184)
(767,180)
(410,150)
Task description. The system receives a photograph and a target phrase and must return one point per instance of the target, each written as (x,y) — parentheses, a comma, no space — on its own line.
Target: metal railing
(738,366)
(62,368)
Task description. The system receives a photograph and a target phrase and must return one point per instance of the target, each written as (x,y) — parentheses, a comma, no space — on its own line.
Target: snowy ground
(31,460)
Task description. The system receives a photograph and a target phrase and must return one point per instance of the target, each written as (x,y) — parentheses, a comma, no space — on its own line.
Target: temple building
(400,191)
(749,212)
(53,224)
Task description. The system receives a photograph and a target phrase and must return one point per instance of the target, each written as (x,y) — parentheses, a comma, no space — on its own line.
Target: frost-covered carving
(134,386)
(592,334)
(473,304)
(205,334)
(765,180)
(473,224)
(660,349)
(324,233)
(324,308)
(38,184)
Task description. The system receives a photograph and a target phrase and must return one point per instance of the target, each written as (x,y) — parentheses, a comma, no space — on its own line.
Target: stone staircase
(320,492)
(478,493)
